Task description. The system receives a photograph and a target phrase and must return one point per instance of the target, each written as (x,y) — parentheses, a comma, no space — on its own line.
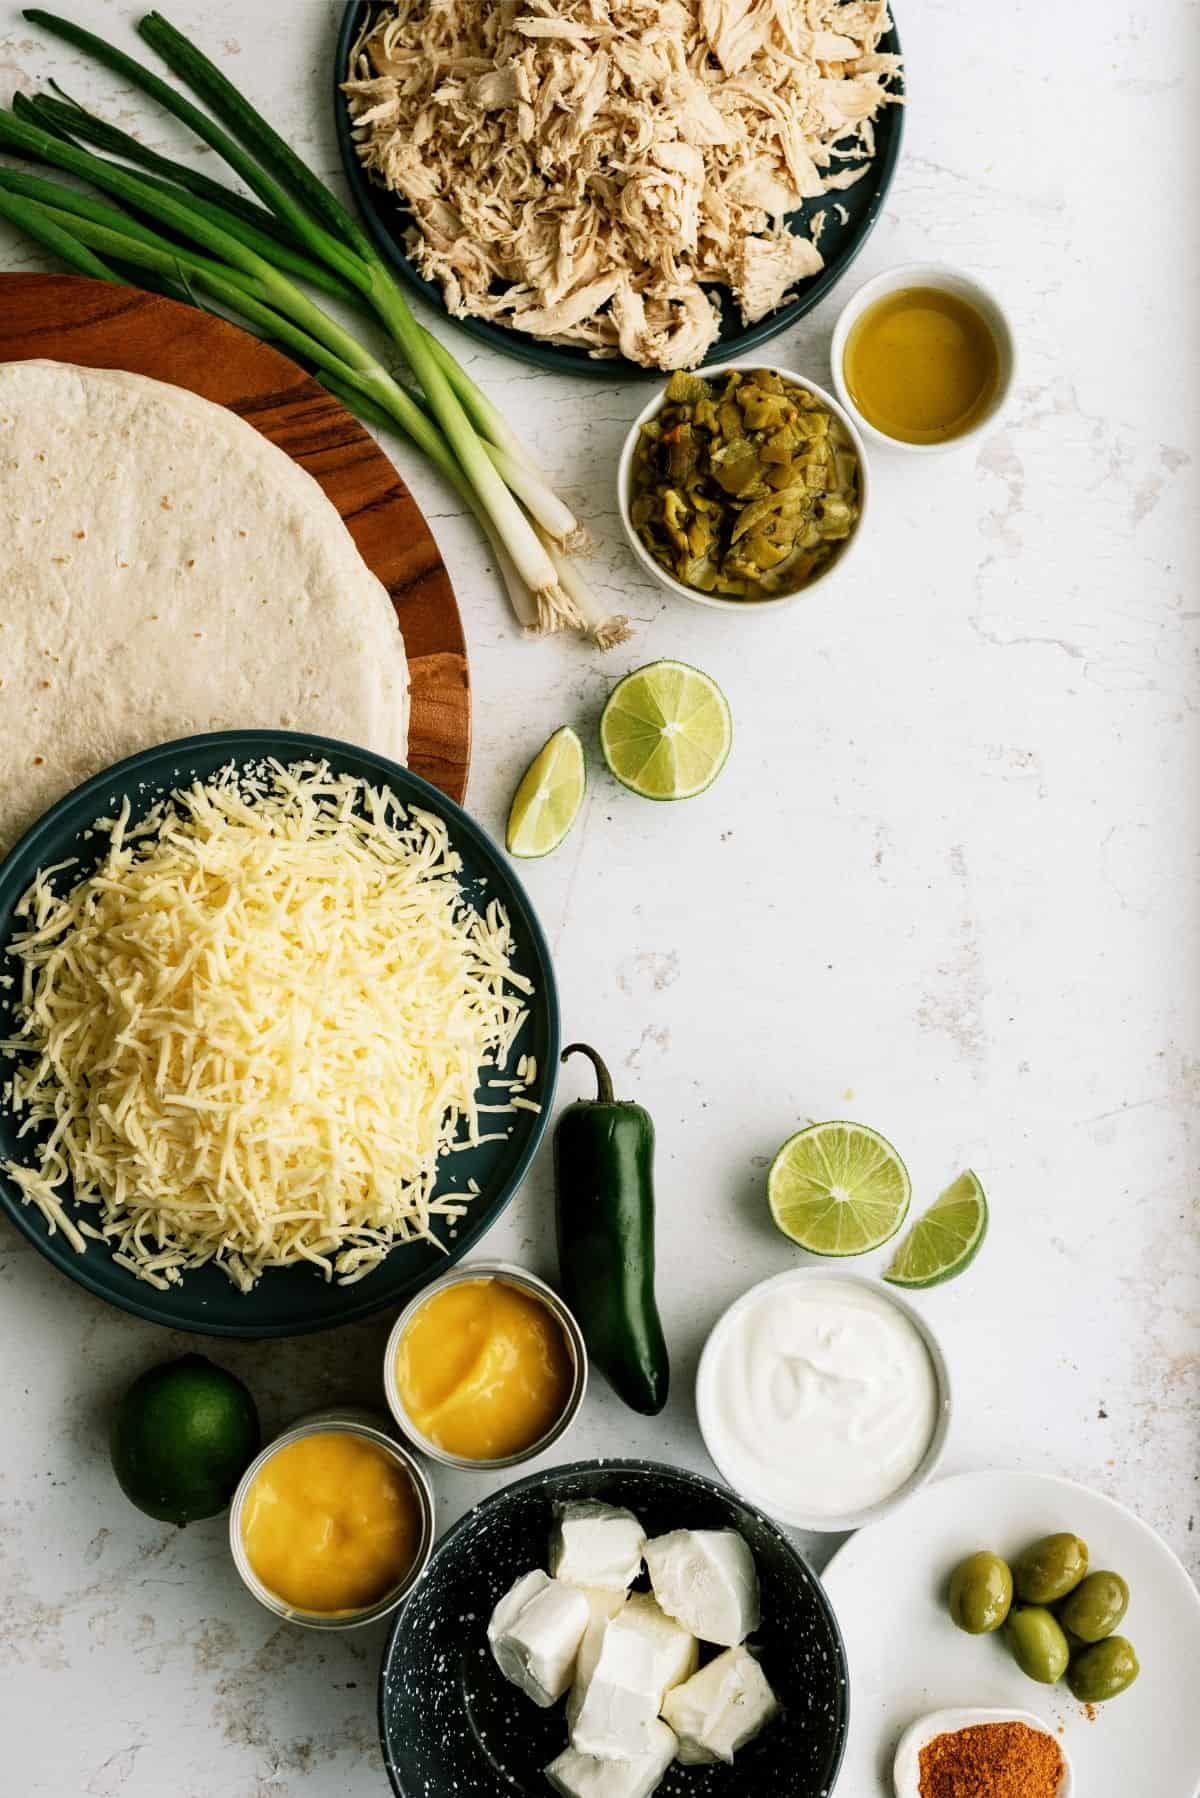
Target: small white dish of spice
(956,1754)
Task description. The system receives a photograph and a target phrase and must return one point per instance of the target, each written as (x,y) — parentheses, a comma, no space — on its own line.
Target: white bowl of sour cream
(823,1398)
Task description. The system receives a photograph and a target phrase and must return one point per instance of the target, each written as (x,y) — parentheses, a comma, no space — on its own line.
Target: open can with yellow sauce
(332,1525)
(485,1368)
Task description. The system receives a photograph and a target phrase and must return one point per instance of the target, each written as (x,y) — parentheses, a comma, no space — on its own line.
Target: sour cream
(818,1397)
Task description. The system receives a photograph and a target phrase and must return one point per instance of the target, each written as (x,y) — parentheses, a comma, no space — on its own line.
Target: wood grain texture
(71,319)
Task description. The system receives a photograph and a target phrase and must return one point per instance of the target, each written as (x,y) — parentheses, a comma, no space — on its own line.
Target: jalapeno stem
(604,1085)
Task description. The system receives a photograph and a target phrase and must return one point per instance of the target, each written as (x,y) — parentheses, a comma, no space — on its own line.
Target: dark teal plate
(287,1301)
(450,1723)
(841,240)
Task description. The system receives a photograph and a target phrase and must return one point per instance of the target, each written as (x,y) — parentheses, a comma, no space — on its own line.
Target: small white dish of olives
(906,1768)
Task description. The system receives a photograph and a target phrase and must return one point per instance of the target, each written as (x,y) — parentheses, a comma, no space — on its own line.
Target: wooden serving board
(71,319)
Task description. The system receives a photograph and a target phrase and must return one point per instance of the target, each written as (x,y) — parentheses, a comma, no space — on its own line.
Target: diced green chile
(744,486)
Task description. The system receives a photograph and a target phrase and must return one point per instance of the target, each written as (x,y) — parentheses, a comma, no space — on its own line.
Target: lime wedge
(945,1240)
(666,731)
(548,799)
(838,1189)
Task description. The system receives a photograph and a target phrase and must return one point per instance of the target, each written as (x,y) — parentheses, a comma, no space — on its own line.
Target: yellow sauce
(331,1523)
(484,1370)
(921,365)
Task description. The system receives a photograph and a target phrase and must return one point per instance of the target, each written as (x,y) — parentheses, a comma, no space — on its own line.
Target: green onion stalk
(180,232)
(257,228)
(77,228)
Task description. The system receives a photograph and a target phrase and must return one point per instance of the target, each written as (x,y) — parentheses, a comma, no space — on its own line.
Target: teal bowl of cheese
(472,1187)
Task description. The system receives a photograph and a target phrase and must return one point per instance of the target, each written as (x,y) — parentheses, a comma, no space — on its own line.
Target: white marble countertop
(946,885)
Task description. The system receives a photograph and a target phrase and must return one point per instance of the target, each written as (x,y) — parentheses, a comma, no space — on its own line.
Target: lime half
(547,802)
(838,1189)
(945,1240)
(666,731)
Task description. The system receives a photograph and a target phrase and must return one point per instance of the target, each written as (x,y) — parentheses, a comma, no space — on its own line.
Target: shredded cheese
(250,1034)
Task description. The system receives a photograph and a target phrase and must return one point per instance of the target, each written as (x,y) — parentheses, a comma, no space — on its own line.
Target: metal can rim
(559,1309)
(335,1420)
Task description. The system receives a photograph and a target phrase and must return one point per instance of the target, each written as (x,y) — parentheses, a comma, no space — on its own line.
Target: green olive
(1050,1568)
(1096,1606)
(981,1590)
(1103,1671)
(1038,1644)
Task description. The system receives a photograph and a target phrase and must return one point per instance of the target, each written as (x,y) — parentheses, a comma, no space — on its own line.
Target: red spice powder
(991,1760)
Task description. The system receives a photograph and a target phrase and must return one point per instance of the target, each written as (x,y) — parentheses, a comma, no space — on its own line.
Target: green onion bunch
(168,227)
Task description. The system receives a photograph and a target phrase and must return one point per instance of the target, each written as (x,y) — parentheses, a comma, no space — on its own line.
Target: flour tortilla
(164,569)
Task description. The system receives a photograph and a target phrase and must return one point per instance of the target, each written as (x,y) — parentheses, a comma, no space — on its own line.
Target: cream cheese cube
(599,1604)
(575,1775)
(706,1580)
(676,1654)
(602,1601)
(534,1635)
(719,1709)
(676,1650)
(618,1692)
(596,1545)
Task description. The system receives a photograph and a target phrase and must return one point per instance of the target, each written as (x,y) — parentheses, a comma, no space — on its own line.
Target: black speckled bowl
(452,1727)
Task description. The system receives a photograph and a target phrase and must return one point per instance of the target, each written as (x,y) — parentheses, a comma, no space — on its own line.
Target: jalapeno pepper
(604,1180)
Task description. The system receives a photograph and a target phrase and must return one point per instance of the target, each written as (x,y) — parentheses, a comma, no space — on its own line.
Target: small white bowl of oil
(923,358)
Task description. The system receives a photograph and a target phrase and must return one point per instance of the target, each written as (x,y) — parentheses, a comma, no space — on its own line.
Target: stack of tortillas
(164,569)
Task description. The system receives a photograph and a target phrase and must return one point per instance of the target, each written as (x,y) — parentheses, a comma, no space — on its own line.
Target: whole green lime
(183,1436)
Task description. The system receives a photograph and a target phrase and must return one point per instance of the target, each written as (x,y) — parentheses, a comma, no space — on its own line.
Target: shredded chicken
(590,171)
